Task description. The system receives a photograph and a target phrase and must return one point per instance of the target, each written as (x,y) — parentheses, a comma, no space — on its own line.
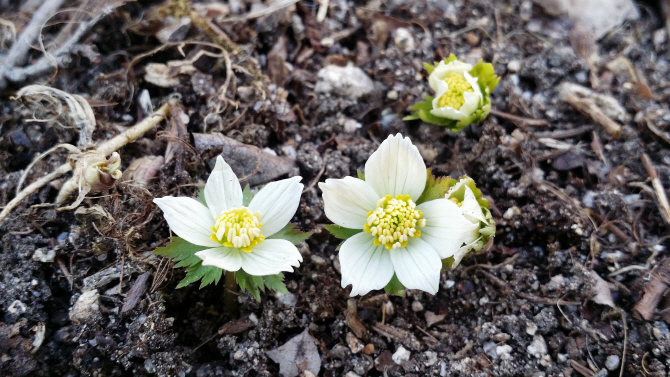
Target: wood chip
(135,293)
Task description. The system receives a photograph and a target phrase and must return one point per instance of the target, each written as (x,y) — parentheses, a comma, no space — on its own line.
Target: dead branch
(20,49)
(58,57)
(518,119)
(658,187)
(590,109)
(654,290)
(106,148)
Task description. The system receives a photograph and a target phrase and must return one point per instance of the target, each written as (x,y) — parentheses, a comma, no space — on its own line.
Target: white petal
(471,208)
(277,202)
(395,168)
(446,228)
(474,83)
(417,266)
(188,218)
(226,258)
(463,251)
(222,191)
(271,257)
(365,266)
(347,201)
(443,70)
(447,113)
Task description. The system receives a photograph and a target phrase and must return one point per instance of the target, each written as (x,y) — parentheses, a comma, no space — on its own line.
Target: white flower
(237,234)
(471,210)
(398,236)
(457,94)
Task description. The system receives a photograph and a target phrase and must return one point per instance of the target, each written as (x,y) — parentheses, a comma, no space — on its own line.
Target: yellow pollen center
(238,228)
(454,96)
(458,203)
(394,221)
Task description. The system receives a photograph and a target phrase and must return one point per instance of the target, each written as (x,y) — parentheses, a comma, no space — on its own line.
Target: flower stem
(230,298)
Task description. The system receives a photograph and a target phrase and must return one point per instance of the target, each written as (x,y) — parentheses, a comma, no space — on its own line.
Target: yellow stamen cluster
(458,203)
(394,221)
(238,228)
(454,96)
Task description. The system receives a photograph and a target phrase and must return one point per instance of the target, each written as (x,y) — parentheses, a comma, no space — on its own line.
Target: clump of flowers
(400,224)
(226,229)
(461,94)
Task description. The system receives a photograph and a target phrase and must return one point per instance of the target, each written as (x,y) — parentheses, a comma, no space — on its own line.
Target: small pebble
(400,355)
(392,95)
(514,66)
(351,374)
(612,362)
(538,347)
(531,328)
(417,306)
(490,350)
(504,352)
(354,343)
(369,349)
(431,358)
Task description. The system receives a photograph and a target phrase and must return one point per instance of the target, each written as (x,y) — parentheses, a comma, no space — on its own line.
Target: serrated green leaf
(246,196)
(201,196)
(395,287)
(435,188)
(275,283)
(256,284)
(486,75)
(183,253)
(197,272)
(341,232)
(291,234)
(180,250)
(246,282)
(212,276)
(360,174)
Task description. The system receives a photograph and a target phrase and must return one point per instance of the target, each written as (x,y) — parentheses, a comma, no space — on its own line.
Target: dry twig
(106,148)
(518,119)
(654,290)
(590,109)
(658,187)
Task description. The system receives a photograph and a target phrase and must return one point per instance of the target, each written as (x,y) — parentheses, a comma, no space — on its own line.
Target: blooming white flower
(237,235)
(457,94)
(398,235)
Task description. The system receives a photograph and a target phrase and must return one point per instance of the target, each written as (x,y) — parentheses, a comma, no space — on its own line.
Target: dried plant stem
(658,187)
(55,59)
(230,295)
(107,148)
(590,109)
(22,46)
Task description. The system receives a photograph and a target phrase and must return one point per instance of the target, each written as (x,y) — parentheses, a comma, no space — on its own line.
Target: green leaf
(201,195)
(180,250)
(486,75)
(395,287)
(361,176)
(450,58)
(183,253)
(291,234)
(275,283)
(246,196)
(435,188)
(342,232)
(246,282)
(256,284)
(429,67)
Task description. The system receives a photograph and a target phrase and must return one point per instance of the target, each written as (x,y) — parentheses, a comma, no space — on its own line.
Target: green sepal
(436,188)
(201,196)
(341,232)
(429,67)
(447,263)
(183,253)
(257,284)
(289,233)
(360,174)
(450,58)
(246,196)
(395,287)
(486,75)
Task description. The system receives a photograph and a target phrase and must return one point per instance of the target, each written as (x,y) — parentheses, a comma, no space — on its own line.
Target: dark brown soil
(525,307)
